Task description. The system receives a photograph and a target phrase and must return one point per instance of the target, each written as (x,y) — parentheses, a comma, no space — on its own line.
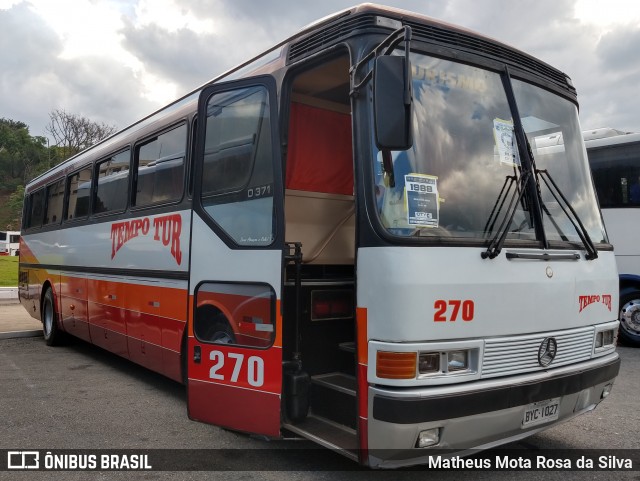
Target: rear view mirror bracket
(392,96)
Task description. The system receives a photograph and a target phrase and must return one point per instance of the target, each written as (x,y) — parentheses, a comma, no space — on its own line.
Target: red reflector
(331,305)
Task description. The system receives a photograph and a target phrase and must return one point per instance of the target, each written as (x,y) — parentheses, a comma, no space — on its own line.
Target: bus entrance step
(333,396)
(328,434)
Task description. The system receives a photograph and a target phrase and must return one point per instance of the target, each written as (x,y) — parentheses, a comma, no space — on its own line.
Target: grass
(8,271)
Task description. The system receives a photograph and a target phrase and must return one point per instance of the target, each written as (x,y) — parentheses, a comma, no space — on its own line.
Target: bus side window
(237,180)
(55,195)
(160,168)
(113,183)
(36,209)
(78,188)
(235,313)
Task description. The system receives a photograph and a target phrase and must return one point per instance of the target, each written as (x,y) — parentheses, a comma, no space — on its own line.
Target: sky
(116,61)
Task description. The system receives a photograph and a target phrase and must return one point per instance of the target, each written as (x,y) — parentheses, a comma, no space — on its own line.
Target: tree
(22,156)
(73,133)
(13,208)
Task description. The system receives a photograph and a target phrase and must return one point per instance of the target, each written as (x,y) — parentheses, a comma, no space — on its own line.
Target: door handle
(197,354)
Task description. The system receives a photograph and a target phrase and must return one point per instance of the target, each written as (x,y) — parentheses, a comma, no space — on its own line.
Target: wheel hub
(630,315)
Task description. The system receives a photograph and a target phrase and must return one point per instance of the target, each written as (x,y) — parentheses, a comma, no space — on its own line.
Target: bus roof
(616,139)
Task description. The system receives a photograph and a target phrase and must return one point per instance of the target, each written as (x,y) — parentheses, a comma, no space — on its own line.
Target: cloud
(618,49)
(187,58)
(614,83)
(28,49)
(165,48)
(35,79)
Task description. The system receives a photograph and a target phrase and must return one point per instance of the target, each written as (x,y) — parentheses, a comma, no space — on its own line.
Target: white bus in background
(615,162)
(9,242)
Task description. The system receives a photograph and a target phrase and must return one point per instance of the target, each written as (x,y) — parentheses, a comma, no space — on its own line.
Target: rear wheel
(52,334)
(629,331)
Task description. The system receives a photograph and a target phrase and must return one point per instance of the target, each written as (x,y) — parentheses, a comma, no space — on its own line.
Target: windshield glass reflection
(457,179)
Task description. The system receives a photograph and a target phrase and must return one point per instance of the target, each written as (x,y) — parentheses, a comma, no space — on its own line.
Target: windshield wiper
(495,246)
(509,180)
(592,252)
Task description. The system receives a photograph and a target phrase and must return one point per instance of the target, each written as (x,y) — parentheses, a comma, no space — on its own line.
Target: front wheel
(52,334)
(630,318)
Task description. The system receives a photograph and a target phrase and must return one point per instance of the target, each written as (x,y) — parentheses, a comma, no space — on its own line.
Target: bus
(9,242)
(614,157)
(350,238)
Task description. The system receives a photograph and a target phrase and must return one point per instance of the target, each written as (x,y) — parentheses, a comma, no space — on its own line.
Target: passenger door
(234,348)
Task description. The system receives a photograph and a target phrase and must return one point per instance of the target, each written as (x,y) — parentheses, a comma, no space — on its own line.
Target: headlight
(428,363)
(458,361)
(445,362)
(402,365)
(606,338)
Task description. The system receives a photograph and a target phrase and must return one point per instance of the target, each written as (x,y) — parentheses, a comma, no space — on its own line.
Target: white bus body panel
(400,285)
(213,260)
(160,244)
(517,305)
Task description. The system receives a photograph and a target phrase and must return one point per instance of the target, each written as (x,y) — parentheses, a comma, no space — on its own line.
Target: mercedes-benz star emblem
(547,351)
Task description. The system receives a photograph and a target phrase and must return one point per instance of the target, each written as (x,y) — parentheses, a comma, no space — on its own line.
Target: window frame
(29,207)
(46,202)
(269,84)
(67,194)
(95,182)
(135,165)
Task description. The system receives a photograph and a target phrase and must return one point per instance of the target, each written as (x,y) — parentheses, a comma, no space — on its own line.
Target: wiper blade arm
(592,252)
(495,246)
(509,180)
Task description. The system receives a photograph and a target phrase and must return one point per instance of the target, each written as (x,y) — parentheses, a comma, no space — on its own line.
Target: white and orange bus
(351,237)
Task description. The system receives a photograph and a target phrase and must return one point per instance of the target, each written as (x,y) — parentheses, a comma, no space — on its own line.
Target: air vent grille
(430,33)
(487,48)
(328,36)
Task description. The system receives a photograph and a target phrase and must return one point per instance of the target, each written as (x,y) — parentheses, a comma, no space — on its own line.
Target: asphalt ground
(80,397)
(15,321)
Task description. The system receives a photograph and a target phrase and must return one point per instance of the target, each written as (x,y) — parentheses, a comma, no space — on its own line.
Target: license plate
(541,412)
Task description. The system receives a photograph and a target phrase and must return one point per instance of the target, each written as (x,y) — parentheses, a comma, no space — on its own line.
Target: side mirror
(392,102)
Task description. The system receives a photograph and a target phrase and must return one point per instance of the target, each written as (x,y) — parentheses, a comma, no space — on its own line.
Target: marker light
(396,365)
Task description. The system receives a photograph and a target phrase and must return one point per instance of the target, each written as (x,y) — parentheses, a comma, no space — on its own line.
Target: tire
(52,334)
(629,332)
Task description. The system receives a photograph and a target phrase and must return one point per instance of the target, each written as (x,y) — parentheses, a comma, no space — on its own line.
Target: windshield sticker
(506,142)
(422,200)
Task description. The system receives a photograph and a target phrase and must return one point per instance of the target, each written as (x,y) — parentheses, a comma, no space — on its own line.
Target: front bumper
(477,415)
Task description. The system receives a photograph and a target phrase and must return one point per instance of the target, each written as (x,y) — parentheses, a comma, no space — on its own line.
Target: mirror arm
(387,167)
(407,77)
(384,48)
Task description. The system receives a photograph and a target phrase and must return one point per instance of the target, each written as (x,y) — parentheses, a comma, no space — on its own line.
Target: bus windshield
(464,167)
